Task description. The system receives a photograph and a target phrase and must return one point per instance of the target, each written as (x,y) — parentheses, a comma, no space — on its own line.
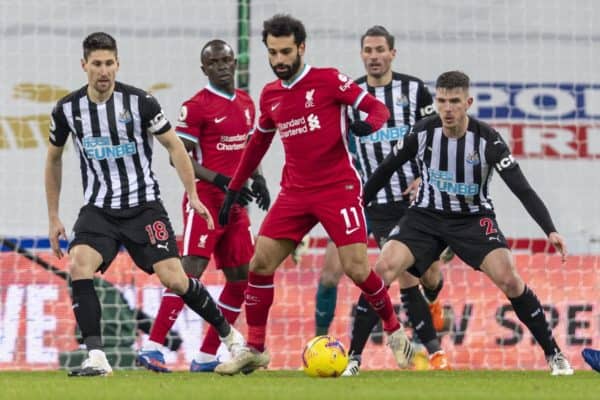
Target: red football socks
(259,297)
(377,295)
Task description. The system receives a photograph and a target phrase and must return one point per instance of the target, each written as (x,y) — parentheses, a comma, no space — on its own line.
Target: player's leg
(481,244)
(198,299)
(340,212)
(83,262)
(421,320)
(592,357)
(499,266)
(150,241)
(432,283)
(268,255)
(411,248)
(355,263)
(230,302)
(92,249)
(286,223)
(326,297)
(382,219)
(151,356)
(197,246)
(232,255)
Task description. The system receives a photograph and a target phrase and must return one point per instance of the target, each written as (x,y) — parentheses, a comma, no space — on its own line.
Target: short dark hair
(378,30)
(217,44)
(98,41)
(284,25)
(453,80)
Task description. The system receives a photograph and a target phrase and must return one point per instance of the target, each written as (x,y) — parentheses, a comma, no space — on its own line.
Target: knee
(385,269)
(332,269)
(260,264)
(432,277)
(194,266)
(407,280)
(511,285)
(80,268)
(238,274)
(356,268)
(172,277)
(176,283)
(330,278)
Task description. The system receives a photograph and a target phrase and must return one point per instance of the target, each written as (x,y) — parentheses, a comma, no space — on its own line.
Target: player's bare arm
(413,189)
(219,180)
(53,181)
(185,170)
(200,172)
(559,244)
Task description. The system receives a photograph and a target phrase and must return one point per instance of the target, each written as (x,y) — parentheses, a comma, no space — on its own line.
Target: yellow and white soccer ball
(325,357)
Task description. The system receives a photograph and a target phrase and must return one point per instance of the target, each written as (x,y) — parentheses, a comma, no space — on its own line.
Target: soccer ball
(325,357)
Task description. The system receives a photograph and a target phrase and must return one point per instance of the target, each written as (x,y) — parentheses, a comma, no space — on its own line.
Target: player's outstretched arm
(559,244)
(53,182)
(377,115)
(518,184)
(182,163)
(403,151)
(253,153)
(219,180)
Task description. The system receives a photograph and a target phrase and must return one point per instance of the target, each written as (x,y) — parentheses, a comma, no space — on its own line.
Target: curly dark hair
(284,25)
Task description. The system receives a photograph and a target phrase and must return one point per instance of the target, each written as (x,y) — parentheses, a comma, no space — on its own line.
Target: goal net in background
(533,64)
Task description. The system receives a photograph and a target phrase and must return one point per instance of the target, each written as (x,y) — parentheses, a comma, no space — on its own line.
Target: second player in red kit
(214,126)
(306,105)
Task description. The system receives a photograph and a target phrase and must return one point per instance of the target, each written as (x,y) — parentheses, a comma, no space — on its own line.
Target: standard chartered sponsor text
(292,127)
(230,147)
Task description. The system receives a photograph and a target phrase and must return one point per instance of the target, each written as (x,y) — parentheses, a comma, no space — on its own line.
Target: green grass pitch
(264,385)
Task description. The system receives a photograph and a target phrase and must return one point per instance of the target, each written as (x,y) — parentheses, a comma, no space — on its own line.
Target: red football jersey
(219,124)
(309,114)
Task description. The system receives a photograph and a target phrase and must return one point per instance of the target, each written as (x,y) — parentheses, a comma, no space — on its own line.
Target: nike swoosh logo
(219,120)
(351,231)
(274,106)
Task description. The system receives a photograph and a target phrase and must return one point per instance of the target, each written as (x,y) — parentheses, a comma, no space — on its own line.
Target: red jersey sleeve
(348,92)
(266,105)
(345,90)
(190,121)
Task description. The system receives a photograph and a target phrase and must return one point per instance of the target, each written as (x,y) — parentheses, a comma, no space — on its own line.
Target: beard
(290,70)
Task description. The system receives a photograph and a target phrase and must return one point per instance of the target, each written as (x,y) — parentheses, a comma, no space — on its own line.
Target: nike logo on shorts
(351,231)
(219,120)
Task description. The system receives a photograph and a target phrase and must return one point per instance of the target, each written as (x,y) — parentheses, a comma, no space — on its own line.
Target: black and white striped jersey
(408,100)
(114,144)
(456,172)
